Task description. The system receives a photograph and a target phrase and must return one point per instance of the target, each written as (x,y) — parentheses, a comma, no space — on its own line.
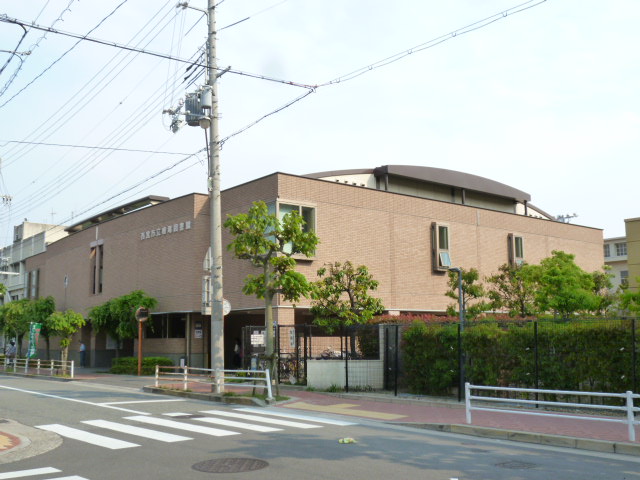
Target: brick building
(407,224)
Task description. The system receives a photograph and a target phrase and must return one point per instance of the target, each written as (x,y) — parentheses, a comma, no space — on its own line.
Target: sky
(543,98)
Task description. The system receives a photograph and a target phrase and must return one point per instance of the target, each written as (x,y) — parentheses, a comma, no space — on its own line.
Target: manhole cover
(516,465)
(230,465)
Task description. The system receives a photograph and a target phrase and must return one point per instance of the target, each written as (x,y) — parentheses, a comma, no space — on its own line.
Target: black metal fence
(588,355)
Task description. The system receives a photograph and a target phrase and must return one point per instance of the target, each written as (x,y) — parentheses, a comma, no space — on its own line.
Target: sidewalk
(441,414)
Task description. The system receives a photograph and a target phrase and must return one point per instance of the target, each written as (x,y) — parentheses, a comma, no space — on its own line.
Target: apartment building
(28,239)
(615,257)
(407,224)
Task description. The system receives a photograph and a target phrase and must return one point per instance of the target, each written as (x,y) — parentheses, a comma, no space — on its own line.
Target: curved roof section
(437,175)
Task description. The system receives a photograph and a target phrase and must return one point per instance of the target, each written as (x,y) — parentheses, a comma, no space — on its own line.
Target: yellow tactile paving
(345,409)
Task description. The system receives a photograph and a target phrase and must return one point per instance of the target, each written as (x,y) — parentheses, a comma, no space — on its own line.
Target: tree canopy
(270,244)
(341,296)
(473,293)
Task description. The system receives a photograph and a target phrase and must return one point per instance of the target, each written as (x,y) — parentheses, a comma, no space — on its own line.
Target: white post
(630,417)
(185,378)
(51,369)
(218,379)
(72,367)
(157,375)
(26,365)
(268,379)
(38,367)
(467,401)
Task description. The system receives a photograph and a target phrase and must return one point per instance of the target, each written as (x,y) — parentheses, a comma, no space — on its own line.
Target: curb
(42,377)
(590,444)
(208,397)
(30,441)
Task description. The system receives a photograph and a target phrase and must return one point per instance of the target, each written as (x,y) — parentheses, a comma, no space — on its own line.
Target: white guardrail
(216,378)
(629,408)
(37,366)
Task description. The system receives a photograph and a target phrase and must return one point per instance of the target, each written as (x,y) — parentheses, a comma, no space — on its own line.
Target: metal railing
(629,407)
(216,378)
(37,366)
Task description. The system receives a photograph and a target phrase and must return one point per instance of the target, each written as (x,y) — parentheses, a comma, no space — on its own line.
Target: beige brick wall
(390,233)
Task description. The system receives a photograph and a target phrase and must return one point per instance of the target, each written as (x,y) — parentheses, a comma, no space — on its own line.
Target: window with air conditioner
(515,245)
(440,242)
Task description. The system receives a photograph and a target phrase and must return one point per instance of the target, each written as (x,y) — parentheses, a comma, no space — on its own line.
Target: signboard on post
(34,333)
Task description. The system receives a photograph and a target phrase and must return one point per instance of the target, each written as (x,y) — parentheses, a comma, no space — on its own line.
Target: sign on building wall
(166,230)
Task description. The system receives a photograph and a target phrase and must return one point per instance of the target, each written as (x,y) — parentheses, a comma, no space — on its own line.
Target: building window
(307,213)
(96,268)
(516,249)
(621,249)
(440,241)
(33,280)
(624,278)
(607,250)
(166,325)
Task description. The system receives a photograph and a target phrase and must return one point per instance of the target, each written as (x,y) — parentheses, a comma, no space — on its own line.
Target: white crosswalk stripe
(94,439)
(28,473)
(244,419)
(181,426)
(256,418)
(139,431)
(295,416)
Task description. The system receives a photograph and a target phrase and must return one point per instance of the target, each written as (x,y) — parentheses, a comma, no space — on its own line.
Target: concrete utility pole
(217,316)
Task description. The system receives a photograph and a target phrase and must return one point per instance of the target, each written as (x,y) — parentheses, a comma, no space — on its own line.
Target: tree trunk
(64,354)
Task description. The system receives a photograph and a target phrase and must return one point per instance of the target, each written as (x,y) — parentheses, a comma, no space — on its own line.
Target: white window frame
(516,255)
(309,226)
(621,249)
(441,251)
(607,250)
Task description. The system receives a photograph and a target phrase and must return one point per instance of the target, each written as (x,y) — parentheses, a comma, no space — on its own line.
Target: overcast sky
(545,100)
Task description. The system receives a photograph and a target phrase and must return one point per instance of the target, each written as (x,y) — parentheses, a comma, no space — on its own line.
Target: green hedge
(129,365)
(573,355)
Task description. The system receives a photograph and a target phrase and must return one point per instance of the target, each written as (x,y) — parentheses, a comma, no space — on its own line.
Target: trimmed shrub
(129,365)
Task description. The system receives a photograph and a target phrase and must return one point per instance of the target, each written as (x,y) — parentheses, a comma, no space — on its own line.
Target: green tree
(117,317)
(473,294)
(341,296)
(269,244)
(563,287)
(3,290)
(513,288)
(40,310)
(64,325)
(602,285)
(630,299)
(16,320)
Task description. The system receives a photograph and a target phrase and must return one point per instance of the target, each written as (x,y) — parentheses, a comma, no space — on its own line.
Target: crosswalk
(185,426)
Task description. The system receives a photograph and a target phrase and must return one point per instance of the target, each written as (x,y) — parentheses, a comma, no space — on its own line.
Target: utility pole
(217,316)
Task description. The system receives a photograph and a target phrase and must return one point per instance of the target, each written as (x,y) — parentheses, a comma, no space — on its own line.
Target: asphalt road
(173,437)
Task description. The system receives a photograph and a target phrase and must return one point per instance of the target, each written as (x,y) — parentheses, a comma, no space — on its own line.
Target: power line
(4,18)
(436,41)
(89,147)
(61,56)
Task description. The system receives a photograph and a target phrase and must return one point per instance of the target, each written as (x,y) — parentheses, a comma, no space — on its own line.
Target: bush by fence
(594,355)
(129,365)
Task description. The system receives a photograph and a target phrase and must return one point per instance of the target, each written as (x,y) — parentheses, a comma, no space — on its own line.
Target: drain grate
(516,465)
(230,465)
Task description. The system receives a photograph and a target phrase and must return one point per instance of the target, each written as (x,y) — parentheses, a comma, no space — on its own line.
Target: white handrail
(37,367)
(629,407)
(217,378)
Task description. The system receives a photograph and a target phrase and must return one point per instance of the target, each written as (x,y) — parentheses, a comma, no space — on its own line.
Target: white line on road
(257,418)
(182,426)
(28,473)
(139,431)
(294,416)
(92,438)
(72,477)
(73,400)
(142,401)
(231,423)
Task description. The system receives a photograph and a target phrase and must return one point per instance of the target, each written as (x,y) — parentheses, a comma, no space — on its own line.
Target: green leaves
(341,296)
(472,293)
(269,244)
(64,325)
(117,316)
